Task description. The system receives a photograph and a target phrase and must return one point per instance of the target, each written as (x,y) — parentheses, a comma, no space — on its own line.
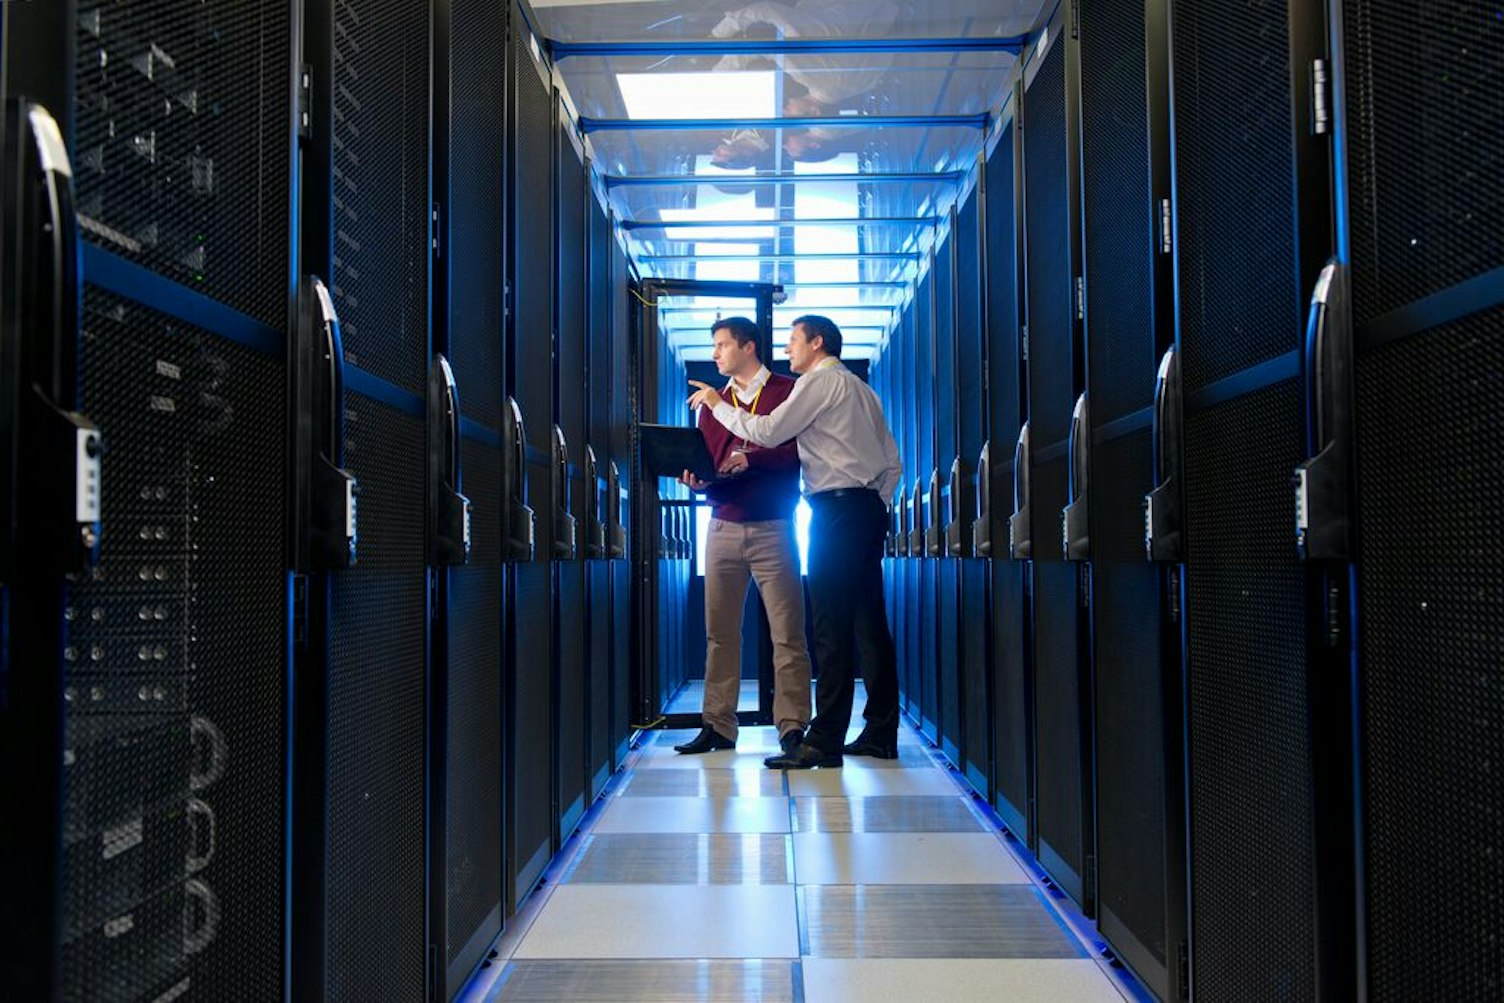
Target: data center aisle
(712,878)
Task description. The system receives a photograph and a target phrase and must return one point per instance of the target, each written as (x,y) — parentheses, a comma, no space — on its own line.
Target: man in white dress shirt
(851,469)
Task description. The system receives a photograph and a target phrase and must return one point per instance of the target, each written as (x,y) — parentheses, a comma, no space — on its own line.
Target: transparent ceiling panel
(665,20)
(771,147)
(872,198)
(925,83)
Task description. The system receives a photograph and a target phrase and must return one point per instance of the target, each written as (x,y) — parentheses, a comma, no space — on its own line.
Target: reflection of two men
(816,85)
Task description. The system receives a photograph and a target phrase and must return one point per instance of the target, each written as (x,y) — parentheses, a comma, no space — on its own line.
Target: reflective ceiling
(815,143)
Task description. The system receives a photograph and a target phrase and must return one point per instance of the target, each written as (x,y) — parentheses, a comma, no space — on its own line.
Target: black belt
(835,493)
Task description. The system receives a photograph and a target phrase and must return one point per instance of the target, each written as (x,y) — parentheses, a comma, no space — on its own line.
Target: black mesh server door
(1011,667)
(530,798)
(570,401)
(1051,245)
(1424,228)
(596,385)
(1250,233)
(966,515)
(360,928)
(924,546)
(624,639)
(947,569)
(1129,322)
(151,806)
(469,885)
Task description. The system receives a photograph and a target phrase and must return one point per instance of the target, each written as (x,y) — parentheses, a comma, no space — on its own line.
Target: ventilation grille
(175,698)
(573,296)
(970,335)
(533,255)
(1240,303)
(1057,714)
(1432,622)
(380,187)
(183,143)
(377,660)
(478,216)
(1426,117)
(1120,218)
(1047,249)
(1249,754)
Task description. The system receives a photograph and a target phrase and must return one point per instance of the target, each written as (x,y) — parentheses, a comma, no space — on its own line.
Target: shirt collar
(753,388)
(829,362)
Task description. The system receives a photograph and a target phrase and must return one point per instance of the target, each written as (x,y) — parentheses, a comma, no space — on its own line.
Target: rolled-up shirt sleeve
(804,404)
(893,471)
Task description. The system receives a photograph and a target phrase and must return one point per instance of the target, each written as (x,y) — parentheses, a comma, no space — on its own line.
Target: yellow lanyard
(751,408)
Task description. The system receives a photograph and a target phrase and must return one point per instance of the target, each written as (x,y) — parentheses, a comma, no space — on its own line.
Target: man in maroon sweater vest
(751,536)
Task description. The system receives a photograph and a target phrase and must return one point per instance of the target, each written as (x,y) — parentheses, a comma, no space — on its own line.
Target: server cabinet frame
(650,539)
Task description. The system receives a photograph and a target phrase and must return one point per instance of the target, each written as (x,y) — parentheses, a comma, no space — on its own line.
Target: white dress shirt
(844,440)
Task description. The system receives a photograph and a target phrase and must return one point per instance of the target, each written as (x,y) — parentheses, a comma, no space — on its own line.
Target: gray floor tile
(862,783)
(1032,980)
(682,859)
(903,858)
(932,921)
(695,815)
(901,813)
(660,981)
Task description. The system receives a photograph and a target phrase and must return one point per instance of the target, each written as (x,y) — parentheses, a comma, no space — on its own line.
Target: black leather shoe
(790,740)
(708,740)
(877,748)
(804,756)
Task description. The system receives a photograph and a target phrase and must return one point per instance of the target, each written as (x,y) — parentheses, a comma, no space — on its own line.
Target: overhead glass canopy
(818,144)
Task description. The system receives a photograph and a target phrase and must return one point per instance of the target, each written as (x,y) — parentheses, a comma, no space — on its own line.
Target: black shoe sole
(685,750)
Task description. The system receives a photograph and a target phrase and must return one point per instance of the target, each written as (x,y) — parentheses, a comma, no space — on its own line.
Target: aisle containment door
(360,922)
(1062,697)
(1129,324)
(531,724)
(470,112)
(1251,233)
(146,640)
(1010,663)
(1421,229)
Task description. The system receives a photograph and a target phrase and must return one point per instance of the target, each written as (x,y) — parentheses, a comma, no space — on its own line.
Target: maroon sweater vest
(769,488)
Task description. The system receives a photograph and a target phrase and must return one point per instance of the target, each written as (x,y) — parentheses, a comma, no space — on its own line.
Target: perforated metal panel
(182,152)
(1426,127)
(1047,249)
(176,677)
(474,785)
(1121,236)
(477,230)
(1249,751)
(1240,300)
(378,649)
(381,208)
(1012,700)
(1431,622)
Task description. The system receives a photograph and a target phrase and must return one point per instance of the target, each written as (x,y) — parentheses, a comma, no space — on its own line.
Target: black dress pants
(846,537)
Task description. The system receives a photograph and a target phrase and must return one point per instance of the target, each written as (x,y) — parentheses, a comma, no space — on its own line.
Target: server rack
(966,513)
(598,505)
(1011,663)
(1251,233)
(1065,843)
(925,545)
(1414,303)
(147,628)
(530,726)
(1129,325)
(571,395)
(467,873)
(947,416)
(620,477)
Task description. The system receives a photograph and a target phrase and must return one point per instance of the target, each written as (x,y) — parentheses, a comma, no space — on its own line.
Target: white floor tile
(650,814)
(902,858)
(832,980)
(861,782)
(665,921)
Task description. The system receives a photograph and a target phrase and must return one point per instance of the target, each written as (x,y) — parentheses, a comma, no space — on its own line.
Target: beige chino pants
(767,553)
